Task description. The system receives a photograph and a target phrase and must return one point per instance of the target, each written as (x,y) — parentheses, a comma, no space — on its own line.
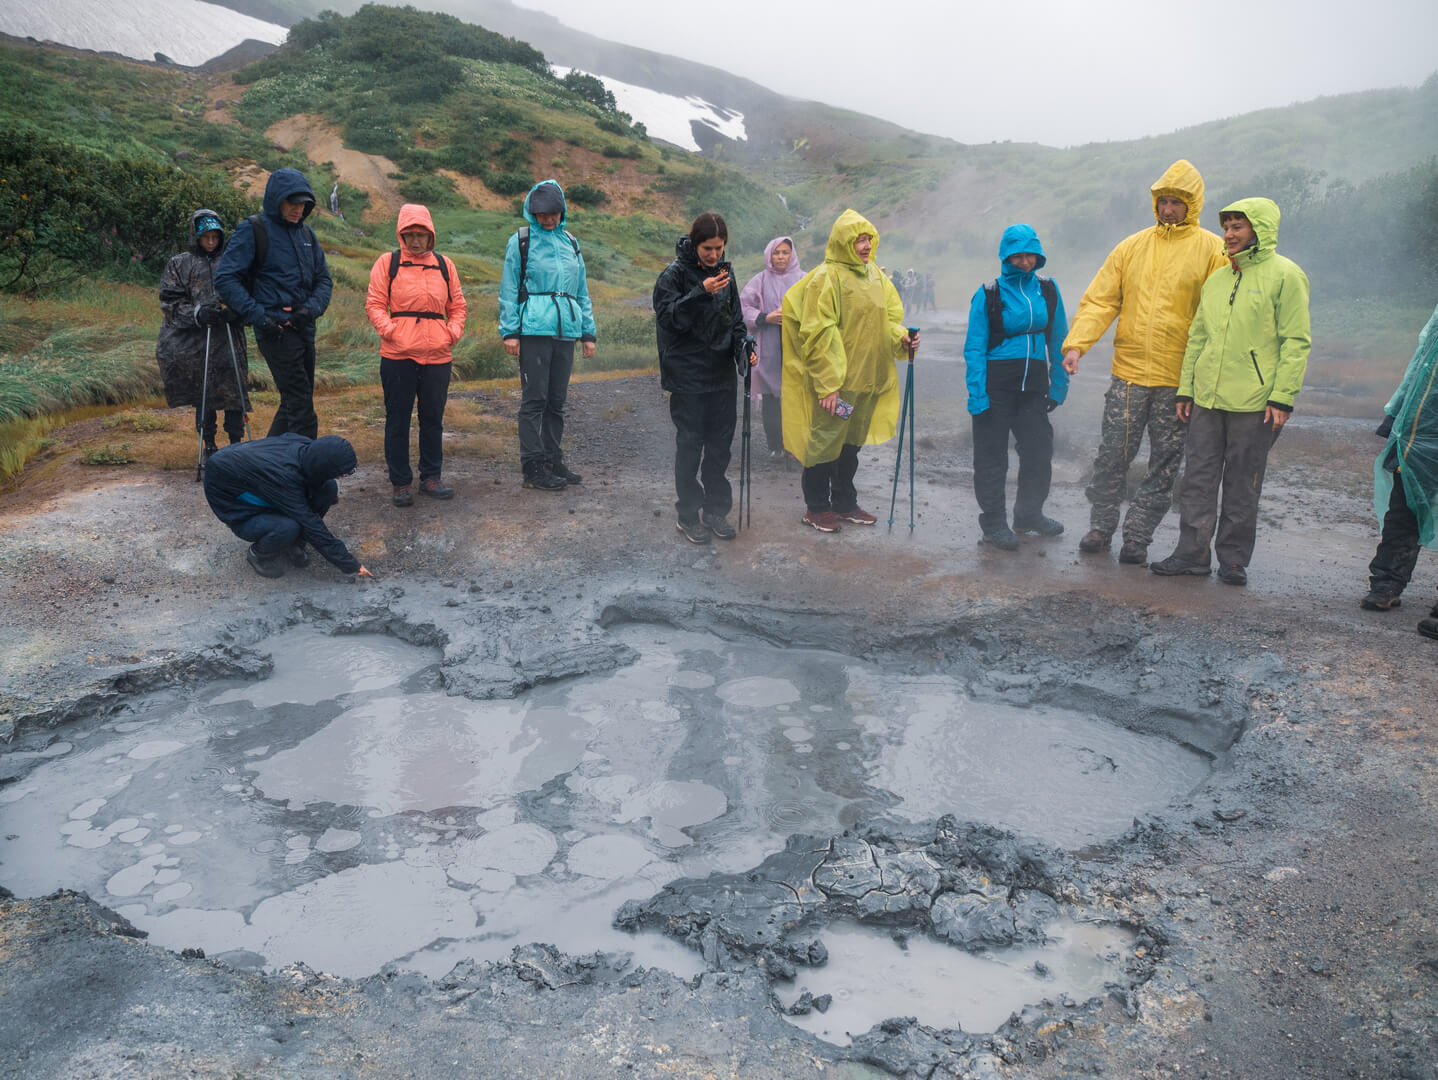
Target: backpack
(994,305)
(261,233)
(396,260)
(523,297)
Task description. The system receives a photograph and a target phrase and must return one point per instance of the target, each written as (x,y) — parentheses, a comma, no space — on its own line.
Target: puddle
(870,977)
(347,813)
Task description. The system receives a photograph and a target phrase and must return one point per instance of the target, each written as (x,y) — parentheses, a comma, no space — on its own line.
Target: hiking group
(1209,354)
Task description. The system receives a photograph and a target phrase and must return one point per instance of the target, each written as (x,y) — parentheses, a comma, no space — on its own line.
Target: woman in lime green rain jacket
(1247,351)
(843,330)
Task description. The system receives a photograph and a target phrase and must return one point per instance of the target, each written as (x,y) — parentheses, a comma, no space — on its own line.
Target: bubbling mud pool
(346,813)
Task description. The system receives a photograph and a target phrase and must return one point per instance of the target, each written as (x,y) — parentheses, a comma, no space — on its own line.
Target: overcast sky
(1060,72)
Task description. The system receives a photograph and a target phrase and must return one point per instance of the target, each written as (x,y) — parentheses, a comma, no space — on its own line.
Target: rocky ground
(1285,914)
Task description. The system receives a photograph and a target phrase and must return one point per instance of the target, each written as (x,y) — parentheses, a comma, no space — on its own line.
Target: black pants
(772,410)
(272,533)
(1025,415)
(545,365)
(1397,555)
(406,382)
(234,424)
(290,355)
(703,436)
(830,485)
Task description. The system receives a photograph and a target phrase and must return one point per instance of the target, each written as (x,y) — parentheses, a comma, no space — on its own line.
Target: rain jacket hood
(327,458)
(1030,358)
(765,294)
(285,184)
(840,249)
(1180,181)
(843,324)
(563,203)
(1250,338)
(556,300)
(1150,282)
(194,245)
(1020,240)
(414,216)
(1263,215)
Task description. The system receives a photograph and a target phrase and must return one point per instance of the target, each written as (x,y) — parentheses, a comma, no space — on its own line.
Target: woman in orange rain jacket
(416,303)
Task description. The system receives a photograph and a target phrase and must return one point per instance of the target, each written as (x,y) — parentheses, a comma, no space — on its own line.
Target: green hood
(1263,215)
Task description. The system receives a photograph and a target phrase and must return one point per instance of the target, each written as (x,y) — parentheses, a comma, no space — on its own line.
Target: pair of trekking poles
(906,421)
(201,409)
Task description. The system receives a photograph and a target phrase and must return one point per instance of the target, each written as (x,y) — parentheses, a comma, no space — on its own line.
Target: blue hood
(564,205)
(327,458)
(283,184)
(1016,240)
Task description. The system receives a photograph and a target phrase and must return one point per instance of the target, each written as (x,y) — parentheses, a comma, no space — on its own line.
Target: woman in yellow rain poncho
(843,330)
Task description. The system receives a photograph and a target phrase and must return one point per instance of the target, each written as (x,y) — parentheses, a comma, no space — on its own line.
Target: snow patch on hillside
(668,117)
(189,32)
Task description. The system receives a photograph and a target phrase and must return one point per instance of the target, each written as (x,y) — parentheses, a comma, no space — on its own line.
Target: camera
(843,409)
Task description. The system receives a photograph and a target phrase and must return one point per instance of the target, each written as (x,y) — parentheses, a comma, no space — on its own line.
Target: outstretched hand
(363,572)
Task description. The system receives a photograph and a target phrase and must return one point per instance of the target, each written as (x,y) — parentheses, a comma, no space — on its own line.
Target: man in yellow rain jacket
(1151,282)
(843,330)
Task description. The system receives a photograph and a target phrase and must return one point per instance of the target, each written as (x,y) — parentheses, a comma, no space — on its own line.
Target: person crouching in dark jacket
(201,355)
(700,327)
(274,492)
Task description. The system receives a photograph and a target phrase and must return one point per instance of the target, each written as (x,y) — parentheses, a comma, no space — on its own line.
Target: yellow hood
(849,227)
(1180,181)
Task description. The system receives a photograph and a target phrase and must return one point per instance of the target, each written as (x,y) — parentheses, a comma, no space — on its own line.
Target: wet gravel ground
(1284,912)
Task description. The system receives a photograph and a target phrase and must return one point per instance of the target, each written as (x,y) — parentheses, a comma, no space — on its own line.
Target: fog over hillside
(187,31)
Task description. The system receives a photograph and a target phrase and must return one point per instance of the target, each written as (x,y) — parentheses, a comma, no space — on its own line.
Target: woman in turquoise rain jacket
(1015,375)
(544,309)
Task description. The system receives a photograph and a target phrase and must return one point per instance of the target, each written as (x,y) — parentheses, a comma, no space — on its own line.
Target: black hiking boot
(563,472)
(1173,566)
(436,488)
(298,556)
(1002,538)
(538,476)
(1040,526)
(403,495)
(1379,600)
(1428,627)
(718,524)
(265,565)
(1133,553)
(696,532)
(1232,574)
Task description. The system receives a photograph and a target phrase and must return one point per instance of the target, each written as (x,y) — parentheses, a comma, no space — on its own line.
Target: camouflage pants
(1129,409)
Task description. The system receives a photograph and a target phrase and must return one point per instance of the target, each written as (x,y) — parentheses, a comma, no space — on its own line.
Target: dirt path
(1289,901)
(322,142)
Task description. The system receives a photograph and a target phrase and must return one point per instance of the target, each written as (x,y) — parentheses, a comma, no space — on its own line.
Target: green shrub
(509,183)
(585,195)
(432,191)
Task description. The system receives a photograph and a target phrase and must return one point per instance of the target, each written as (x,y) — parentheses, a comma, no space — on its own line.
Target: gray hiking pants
(545,365)
(1227,450)
(1128,410)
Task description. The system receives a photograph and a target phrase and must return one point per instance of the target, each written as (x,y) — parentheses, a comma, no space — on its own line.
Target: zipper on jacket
(1254,357)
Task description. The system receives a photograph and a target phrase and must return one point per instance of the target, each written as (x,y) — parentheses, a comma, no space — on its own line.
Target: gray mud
(562,795)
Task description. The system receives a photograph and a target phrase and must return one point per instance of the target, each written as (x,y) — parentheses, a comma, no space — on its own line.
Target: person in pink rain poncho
(760,301)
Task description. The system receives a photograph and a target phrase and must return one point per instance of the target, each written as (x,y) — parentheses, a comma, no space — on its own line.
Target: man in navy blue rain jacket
(288,292)
(274,492)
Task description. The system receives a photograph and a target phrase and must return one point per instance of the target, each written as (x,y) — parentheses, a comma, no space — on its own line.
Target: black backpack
(396,260)
(994,305)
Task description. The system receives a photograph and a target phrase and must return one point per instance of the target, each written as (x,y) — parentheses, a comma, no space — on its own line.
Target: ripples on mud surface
(346,813)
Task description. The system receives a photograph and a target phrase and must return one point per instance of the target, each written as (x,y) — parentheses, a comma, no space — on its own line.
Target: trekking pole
(746,486)
(200,410)
(239,383)
(909,393)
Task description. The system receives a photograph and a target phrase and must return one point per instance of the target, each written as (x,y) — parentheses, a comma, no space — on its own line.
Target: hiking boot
(825,521)
(264,565)
(563,472)
(436,488)
(1002,538)
(210,449)
(1095,541)
(1040,526)
(1173,566)
(1232,574)
(696,532)
(298,556)
(539,477)
(1428,627)
(718,524)
(1377,600)
(1133,553)
(402,496)
(856,516)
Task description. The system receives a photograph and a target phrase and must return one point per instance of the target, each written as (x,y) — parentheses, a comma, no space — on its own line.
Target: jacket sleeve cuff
(588,337)
(1281,406)
(1184,397)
